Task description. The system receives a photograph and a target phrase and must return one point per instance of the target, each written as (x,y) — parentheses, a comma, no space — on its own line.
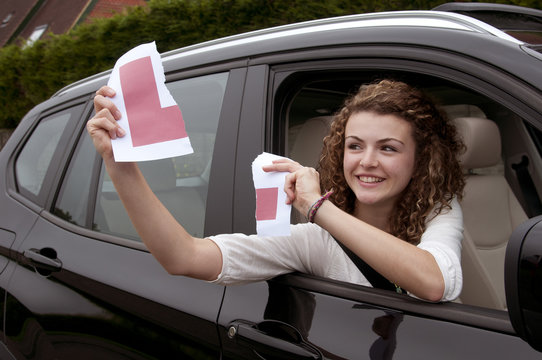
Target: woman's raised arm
(177,251)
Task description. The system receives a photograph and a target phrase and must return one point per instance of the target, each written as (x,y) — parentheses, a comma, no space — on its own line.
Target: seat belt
(377,281)
(530,195)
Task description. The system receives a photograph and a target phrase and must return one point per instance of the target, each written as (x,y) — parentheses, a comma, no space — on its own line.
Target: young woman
(391,179)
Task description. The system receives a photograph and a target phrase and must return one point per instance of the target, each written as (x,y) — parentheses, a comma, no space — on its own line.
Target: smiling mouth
(370,179)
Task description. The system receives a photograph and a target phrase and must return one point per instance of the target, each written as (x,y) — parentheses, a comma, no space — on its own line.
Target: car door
(84,284)
(302,316)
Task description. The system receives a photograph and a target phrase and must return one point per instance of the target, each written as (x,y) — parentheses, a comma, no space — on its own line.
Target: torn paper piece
(152,119)
(272,212)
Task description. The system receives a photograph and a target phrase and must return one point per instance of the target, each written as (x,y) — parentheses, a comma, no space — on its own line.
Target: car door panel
(118,295)
(339,327)
(280,319)
(107,294)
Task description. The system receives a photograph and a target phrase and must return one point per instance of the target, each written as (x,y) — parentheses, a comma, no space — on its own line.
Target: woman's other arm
(406,265)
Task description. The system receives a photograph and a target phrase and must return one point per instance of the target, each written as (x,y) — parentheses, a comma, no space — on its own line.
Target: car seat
(309,138)
(307,148)
(490,211)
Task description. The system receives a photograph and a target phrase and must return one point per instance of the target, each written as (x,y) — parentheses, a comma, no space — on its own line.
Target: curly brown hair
(438,177)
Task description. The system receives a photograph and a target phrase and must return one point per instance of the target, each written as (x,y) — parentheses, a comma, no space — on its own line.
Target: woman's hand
(103,126)
(302,184)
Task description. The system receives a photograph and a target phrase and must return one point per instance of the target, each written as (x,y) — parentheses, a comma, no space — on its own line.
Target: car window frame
(42,199)
(451,67)
(219,197)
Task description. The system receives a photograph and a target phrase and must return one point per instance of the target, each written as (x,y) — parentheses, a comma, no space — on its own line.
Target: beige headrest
(482,140)
(463,110)
(309,141)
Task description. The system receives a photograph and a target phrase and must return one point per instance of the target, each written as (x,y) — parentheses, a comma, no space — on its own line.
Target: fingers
(290,166)
(289,187)
(103,121)
(102,101)
(282,165)
(301,184)
(106,91)
(102,128)
(302,187)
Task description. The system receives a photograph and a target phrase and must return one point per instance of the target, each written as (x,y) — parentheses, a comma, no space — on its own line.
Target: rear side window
(73,200)
(33,162)
(181,183)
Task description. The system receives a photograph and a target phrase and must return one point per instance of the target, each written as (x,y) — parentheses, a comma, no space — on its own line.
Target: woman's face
(379,158)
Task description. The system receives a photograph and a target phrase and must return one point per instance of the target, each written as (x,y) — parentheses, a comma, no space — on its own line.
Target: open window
(502,184)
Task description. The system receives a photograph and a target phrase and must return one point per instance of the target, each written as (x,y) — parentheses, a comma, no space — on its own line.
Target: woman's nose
(368,159)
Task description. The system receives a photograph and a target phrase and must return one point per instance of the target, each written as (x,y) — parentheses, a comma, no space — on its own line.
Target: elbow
(208,272)
(433,284)
(173,263)
(434,291)
(428,287)
(195,274)
(435,295)
(430,295)
(198,259)
(172,269)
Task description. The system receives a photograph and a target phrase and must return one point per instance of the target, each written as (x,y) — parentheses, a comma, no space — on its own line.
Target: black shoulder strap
(530,195)
(376,280)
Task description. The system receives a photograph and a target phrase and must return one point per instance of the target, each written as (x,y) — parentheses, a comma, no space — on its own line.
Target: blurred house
(25,21)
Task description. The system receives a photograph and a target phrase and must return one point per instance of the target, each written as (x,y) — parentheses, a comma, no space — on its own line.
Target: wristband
(314,208)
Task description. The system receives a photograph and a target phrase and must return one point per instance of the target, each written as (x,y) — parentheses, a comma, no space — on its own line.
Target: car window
(35,158)
(498,196)
(181,183)
(73,199)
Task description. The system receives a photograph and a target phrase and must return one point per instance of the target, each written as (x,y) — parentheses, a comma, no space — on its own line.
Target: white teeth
(370,179)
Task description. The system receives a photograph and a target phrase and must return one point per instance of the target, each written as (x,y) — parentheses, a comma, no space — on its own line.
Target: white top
(312,250)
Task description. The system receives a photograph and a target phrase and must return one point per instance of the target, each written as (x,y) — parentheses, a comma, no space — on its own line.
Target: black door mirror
(523,281)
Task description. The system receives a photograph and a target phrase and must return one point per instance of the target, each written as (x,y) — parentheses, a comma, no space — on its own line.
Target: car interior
(498,182)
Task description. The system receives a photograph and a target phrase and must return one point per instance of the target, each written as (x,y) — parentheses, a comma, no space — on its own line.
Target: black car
(77,282)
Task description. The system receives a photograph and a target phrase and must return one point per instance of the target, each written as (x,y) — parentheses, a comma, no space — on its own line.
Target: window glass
(72,202)
(34,160)
(6,20)
(180,183)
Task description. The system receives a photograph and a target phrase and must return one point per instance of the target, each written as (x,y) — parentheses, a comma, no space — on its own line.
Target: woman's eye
(388,148)
(354,146)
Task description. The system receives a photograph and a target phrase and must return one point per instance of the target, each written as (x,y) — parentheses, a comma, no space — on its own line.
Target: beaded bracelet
(314,208)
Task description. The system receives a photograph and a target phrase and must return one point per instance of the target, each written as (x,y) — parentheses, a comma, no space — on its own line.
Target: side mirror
(523,281)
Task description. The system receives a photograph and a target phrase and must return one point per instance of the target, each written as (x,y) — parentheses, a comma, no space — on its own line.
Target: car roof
(430,19)
(266,40)
(520,22)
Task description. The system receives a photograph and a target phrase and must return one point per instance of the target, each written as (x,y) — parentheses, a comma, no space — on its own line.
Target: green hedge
(32,74)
